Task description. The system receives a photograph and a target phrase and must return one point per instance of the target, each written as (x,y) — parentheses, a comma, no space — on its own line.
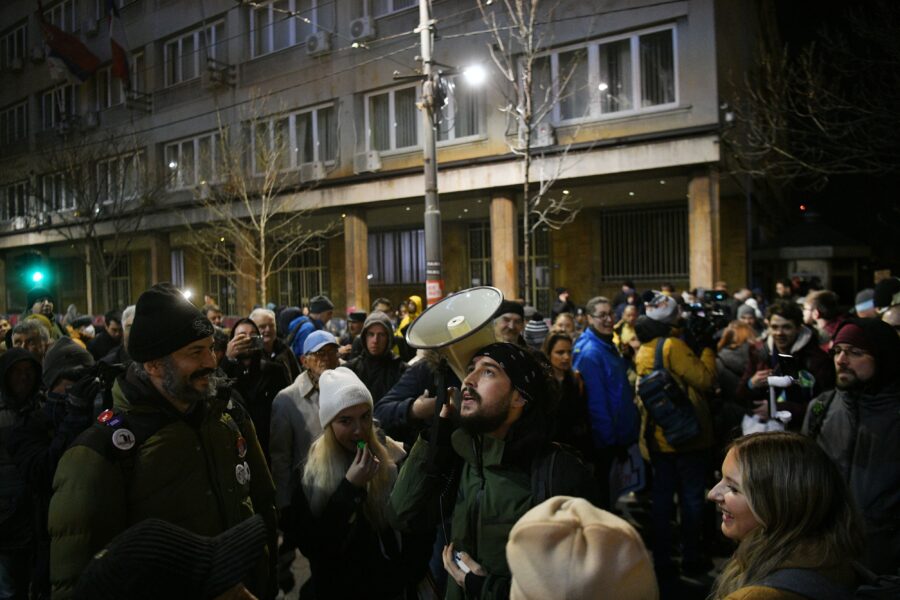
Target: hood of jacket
(805,336)
(11,357)
(648,329)
(378,318)
(886,344)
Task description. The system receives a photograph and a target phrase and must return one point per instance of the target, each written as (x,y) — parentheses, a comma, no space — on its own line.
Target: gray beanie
(65,358)
(663,308)
(744,310)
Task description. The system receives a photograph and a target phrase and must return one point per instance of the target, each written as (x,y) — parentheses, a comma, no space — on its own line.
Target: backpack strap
(807,583)
(118,437)
(817,414)
(658,356)
(290,339)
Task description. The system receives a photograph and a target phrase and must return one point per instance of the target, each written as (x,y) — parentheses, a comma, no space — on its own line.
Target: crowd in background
(342,407)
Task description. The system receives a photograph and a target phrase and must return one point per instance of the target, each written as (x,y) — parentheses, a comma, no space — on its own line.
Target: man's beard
(181,389)
(482,421)
(852,384)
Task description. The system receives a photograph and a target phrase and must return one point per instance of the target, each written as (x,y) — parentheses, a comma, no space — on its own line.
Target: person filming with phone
(792,349)
(258,380)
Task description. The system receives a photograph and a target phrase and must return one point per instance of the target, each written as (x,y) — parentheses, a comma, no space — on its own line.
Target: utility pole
(434,280)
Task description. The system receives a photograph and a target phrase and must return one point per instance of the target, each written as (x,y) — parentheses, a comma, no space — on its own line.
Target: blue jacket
(614,416)
(307,326)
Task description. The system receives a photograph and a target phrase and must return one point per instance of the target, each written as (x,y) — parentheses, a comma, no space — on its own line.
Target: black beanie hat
(156,559)
(164,321)
(65,357)
(508,306)
(320,304)
(36,294)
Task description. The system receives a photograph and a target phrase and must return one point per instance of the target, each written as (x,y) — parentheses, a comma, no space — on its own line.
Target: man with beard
(858,426)
(257,379)
(377,367)
(489,467)
(176,448)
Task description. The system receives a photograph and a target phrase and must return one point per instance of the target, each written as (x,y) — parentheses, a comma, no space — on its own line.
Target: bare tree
(245,200)
(826,110)
(95,191)
(518,43)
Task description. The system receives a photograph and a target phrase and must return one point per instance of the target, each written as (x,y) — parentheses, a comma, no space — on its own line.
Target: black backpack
(815,586)
(666,402)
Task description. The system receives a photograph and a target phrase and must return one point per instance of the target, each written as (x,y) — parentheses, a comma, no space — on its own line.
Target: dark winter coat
(809,357)
(184,472)
(102,345)
(258,384)
(572,423)
(378,373)
(284,355)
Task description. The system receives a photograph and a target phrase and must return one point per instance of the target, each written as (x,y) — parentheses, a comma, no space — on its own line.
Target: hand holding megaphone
(449,407)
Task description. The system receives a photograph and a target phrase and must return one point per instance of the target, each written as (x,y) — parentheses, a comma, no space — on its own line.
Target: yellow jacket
(696,376)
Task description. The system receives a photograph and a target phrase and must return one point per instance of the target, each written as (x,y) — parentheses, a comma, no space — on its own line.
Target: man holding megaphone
(488,455)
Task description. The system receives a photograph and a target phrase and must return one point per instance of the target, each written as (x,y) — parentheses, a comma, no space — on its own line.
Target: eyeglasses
(602,316)
(850,351)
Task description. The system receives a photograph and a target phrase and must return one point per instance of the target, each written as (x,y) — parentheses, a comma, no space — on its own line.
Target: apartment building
(635,142)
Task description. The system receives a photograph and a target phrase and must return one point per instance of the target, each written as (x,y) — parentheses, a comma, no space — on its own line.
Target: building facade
(632,136)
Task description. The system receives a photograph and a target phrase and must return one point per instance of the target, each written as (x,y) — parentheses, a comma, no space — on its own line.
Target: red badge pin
(241,447)
(105,416)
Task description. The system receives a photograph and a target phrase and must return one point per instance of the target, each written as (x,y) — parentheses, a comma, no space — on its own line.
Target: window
(55,194)
(221,281)
(186,55)
(177,258)
(644,243)
(14,123)
(281,24)
(14,200)
(464,113)
(480,254)
(102,10)
(539,252)
(392,120)
(110,91)
(119,178)
(12,45)
(626,74)
(305,276)
(138,67)
(386,7)
(397,257)
(57,105)
(62,15)
(291,140)
(120,281)
(194,160)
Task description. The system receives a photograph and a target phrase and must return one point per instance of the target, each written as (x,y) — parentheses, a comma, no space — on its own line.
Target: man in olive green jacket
(488,467)
(177,448)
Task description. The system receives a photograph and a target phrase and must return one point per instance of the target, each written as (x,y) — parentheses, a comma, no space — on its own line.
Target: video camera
(708,316)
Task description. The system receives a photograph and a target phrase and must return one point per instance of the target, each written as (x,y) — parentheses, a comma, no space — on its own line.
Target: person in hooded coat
(858,426)
(20,383)
(377,367)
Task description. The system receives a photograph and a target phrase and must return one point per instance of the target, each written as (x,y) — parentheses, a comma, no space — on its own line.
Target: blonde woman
(337,516)
(787,506)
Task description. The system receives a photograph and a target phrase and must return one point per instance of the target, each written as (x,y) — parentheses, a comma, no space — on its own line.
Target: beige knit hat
(339,389)
(569,549)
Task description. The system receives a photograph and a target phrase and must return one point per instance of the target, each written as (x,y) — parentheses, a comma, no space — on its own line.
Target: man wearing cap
(177,448)
(858,426)
(295,414)
(487,468)
(40,301)
(355,321)
(509,323)
(377,367)
(614,417)
(320,311)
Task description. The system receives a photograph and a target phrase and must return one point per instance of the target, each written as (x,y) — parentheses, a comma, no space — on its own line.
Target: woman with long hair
(572,423)
(785,503)
(338,513)
(737,349)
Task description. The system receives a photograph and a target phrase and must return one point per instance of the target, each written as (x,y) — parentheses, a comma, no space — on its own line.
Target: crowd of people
(169,451)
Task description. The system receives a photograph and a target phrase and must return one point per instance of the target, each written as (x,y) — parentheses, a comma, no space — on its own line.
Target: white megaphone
(458,326)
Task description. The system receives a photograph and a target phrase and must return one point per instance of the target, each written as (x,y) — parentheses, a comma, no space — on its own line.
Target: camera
(256,343)
(709,316)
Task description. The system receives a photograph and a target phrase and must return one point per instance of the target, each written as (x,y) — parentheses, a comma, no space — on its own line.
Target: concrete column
(704,228)
(356,259)
(160,258)
(504,255)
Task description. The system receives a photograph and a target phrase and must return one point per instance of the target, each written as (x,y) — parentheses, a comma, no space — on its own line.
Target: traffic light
(33,270)
(36,276)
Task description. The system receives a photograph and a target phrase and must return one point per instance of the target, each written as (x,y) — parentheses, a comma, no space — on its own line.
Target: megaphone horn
(458,326)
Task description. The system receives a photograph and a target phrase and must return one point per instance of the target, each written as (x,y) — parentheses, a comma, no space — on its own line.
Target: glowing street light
(475,75)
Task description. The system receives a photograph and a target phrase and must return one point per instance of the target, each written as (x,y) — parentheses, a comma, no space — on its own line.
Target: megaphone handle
(440,376)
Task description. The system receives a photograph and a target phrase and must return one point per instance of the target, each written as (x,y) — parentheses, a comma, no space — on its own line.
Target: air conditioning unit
(16,64)
(91,119)
(362,29)
(314,171)
(37,53)
(367,162)
(318,43)
(543,135)
(19,223)
(90,27)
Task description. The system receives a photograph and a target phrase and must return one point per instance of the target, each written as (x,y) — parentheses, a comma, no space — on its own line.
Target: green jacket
(491,481)
(184,471)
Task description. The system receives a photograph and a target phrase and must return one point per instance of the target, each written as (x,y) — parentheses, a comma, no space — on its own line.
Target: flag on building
(67,57)
(118,45)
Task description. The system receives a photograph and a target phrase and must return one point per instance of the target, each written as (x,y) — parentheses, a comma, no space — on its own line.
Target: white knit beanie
(568,548)
(339,389)
(663,308)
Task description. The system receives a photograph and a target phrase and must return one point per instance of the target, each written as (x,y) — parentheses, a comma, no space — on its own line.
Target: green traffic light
(37,277)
